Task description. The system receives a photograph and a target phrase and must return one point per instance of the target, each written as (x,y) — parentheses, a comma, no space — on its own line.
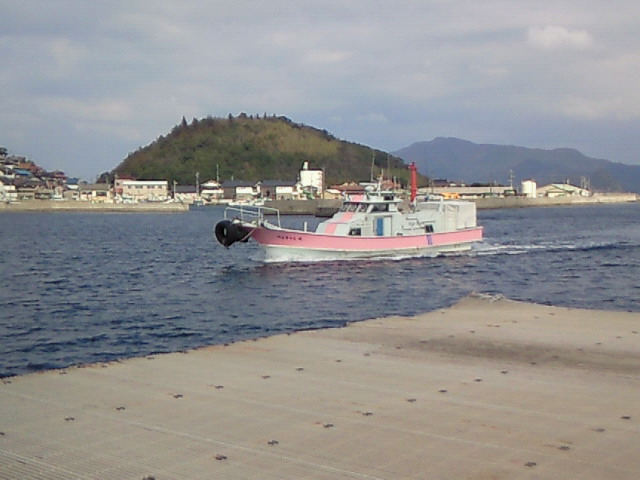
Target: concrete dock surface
(487,389)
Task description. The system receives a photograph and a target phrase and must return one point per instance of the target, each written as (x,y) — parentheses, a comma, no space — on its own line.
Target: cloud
(326,56)
(82,75)
(65,54)
(373,117)
(108,110)
(553,37)
(588,108)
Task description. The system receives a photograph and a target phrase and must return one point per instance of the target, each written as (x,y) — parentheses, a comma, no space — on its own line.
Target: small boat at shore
(256,202)
(370,225)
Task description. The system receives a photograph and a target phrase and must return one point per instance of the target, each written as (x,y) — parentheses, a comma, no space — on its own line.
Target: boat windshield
(380,207)
(349,207)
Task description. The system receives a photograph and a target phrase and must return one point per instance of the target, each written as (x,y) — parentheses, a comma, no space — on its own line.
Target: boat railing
(251,213)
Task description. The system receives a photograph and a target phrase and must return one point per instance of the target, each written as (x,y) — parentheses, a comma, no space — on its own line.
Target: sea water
(93,287)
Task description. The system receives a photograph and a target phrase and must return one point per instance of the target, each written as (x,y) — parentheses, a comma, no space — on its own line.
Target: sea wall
(319,207)
(326,208)
(76,206)
(517,202)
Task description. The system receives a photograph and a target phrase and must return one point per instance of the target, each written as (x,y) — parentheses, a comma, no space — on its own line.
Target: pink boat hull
(295,245)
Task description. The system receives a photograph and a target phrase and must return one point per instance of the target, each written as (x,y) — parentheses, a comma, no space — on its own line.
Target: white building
(8,192)
(146,190)
(529,188)
(95,192)
(278,189)
(562,190)
(211,190)
(311,179)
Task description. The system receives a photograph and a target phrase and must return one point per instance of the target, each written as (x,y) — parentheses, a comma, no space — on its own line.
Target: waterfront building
(562,190)
(278,189)
(240,189)
(311,179)
(211,190)
(95,192)
(142,190)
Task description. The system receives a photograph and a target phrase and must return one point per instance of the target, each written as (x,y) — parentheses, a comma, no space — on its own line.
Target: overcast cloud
(85,83)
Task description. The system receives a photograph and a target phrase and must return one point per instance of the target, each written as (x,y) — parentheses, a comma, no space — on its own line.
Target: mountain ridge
(461,160)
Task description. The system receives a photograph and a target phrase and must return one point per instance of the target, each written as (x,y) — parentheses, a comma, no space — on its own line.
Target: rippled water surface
(80,288)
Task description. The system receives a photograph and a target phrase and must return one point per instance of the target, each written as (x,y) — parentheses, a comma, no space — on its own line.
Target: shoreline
(319,207)
(524,202)
(486,388)
(46,206)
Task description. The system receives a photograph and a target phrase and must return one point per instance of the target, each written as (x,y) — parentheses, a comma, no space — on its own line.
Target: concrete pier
(520,202)
(318,207)
(486,389)
(89,207)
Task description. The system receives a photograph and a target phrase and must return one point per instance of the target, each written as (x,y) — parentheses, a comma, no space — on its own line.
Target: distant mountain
(460,160)
(254,148)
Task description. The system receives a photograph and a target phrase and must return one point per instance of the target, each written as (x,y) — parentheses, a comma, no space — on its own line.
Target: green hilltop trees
(254,148)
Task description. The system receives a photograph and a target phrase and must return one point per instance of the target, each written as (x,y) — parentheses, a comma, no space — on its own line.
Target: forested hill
(254,148)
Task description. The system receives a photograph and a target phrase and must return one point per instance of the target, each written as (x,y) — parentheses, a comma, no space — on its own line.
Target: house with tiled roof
(278,189)
(239,189)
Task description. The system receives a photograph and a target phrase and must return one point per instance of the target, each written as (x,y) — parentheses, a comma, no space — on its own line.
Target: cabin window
(428,229)
(349,207)
(355,232)
(362,207)
(383,207)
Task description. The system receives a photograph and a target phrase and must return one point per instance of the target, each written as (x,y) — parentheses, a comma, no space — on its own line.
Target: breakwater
(518,202)
(326,208)
(317,207)
(76,206)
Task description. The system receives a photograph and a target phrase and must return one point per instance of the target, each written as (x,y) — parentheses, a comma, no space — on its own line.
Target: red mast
(414,181)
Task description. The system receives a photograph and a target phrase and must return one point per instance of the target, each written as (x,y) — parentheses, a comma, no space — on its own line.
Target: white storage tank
(529,188)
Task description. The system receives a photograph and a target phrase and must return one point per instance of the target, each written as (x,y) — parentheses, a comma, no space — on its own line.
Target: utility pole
(389,165)
(373,163)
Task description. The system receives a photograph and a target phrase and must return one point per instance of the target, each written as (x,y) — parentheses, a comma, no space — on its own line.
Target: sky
(85,83)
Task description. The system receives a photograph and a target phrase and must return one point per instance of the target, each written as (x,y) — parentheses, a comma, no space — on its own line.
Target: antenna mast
(414,181)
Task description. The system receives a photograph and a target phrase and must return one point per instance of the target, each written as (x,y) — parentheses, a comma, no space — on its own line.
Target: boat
(253,202)
(367,226)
